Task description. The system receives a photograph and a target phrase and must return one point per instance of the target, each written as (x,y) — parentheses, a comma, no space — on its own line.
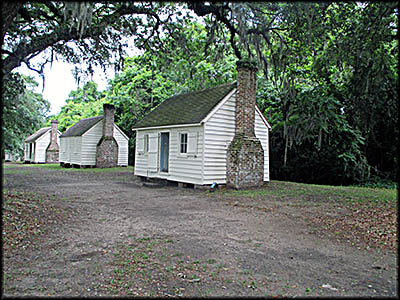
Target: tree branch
(8,12)
(23,49)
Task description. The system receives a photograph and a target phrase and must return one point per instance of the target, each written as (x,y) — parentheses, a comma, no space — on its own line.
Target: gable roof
(188,108)
(37,134)
(82,126)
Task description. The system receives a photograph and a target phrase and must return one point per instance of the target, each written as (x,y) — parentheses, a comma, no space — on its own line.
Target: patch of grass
(280,190)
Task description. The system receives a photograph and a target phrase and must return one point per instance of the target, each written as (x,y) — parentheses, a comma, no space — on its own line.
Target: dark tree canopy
(327,80)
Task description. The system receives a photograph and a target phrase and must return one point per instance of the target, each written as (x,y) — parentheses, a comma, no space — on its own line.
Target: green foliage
(85,102)
(333,89)
(24,112)
(327,83)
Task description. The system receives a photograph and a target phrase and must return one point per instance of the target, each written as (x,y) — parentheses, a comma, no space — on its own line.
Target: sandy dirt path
(249,252)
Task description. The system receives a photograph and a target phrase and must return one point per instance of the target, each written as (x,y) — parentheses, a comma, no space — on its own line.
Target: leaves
(24,111)
(374,226)
(26,217)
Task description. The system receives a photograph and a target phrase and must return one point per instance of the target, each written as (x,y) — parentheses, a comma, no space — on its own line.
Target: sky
(59,82)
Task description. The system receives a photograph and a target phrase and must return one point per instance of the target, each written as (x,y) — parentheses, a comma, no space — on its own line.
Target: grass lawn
(283,191)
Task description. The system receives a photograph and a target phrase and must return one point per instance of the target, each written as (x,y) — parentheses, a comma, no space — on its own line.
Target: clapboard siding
(90,139)
(182,167)
(261,132)
(75,149)
(81,150)
(65,156)
(122,142)
(219,131)
(41,145)
(213,139)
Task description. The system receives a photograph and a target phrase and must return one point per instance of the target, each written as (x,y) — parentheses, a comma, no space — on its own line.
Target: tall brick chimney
(108,120)
(107,147)
(245,155)
(52,151)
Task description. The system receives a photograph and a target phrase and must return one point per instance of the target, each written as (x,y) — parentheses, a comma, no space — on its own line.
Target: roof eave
(167,126)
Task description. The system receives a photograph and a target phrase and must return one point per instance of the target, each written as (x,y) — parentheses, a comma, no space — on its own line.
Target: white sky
(59,82)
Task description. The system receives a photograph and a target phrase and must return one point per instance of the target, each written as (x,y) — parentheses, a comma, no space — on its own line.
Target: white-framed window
(183,138)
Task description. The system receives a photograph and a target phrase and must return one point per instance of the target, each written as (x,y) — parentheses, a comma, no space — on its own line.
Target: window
(184,139)
(146,143)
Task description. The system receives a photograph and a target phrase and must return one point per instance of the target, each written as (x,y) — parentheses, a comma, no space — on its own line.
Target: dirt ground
(122,238)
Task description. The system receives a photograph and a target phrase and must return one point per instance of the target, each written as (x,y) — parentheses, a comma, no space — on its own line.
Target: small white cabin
(79,143)
(37,144)
(185,139)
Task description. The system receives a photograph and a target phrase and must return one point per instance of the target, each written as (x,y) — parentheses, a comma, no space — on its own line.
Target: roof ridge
(37,134)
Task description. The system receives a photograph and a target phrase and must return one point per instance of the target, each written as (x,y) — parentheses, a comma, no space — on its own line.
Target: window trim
(183,143)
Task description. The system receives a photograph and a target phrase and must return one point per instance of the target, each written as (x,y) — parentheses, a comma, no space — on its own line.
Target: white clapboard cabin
(185,139)
(37,144)
(79,143)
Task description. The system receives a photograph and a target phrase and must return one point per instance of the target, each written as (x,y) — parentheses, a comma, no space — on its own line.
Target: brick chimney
(246,97)
(108,120)
(245,155)
(52,151)
(107,147)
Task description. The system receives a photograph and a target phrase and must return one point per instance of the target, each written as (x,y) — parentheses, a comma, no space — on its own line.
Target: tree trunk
(8,12)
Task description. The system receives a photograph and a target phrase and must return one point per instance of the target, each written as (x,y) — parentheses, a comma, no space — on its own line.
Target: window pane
(183,146)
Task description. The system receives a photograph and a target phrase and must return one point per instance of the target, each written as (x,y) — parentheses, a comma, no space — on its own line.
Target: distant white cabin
(185,139)
(78,145)
(37,144)
(11,157)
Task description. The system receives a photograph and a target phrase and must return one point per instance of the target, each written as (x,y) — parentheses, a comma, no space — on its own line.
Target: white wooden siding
(182,167)
(123,148)
(81,150)
(90,139)
(261,131)
(70,150)
(218,133)
(213,139)
(63,153)
(41,145)
(76,150)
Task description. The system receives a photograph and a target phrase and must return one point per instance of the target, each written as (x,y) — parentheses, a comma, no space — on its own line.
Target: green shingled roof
(37,134)
(189,108)
(82,126)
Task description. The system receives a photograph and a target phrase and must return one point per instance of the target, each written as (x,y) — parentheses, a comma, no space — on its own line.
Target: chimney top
(108,106)
(247,63)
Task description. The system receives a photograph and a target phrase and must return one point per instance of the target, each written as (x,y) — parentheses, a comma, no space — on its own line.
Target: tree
(324,62)
(24,112)
(85,102)
(91,32)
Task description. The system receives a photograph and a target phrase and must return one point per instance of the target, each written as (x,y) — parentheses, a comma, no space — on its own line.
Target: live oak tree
(328,76)
(23,112)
